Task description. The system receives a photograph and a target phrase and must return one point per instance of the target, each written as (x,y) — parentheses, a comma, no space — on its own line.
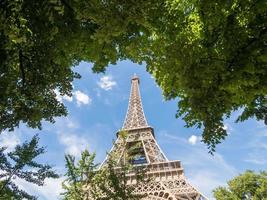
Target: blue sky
(97,110)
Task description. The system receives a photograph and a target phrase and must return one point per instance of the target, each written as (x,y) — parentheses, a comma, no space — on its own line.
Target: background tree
(77,175)
(210,55)
(86,181)
(21,163)
(249,185)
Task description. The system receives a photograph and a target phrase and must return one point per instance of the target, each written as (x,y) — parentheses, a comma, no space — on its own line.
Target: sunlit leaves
(86,180)
(249,185)
(210,55)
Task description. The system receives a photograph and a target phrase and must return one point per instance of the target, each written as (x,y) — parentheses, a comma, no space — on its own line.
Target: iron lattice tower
(168,180)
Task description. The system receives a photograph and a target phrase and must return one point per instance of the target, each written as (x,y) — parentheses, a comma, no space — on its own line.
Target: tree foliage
(21,164)
(209,55)
(86,181)
(249,185)
(78,175)
(40,42)
(212,55)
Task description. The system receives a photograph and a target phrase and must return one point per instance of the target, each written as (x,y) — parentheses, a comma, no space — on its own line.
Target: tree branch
(67,5)
(5,183)
(21,67)
(215,59)
(246,46)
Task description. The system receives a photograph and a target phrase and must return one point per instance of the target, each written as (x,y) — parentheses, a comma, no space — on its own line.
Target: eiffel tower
(168,179)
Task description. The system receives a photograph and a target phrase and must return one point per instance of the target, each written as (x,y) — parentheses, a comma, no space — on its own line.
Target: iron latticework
(167,177)
(135,117)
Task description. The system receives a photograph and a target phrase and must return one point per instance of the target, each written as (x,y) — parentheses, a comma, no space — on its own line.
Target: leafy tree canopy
(21,164)
(249,185)
(40,41)
(210,54)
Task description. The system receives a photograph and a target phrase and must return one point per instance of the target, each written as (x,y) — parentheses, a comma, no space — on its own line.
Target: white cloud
(67,98)
(71,124)
(194,139)
(106,83)
(82,98)
(51,189)
(60,98)
(74,144)
(73,138)
(228,128)
(9,140)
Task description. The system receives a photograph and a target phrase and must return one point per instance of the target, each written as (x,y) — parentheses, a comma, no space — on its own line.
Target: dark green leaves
(33,65)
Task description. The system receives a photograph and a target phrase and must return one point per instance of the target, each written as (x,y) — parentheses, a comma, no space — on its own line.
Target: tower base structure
(167,182)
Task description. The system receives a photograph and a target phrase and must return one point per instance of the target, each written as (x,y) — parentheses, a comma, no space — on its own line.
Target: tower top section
(135,117)
(135,77)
